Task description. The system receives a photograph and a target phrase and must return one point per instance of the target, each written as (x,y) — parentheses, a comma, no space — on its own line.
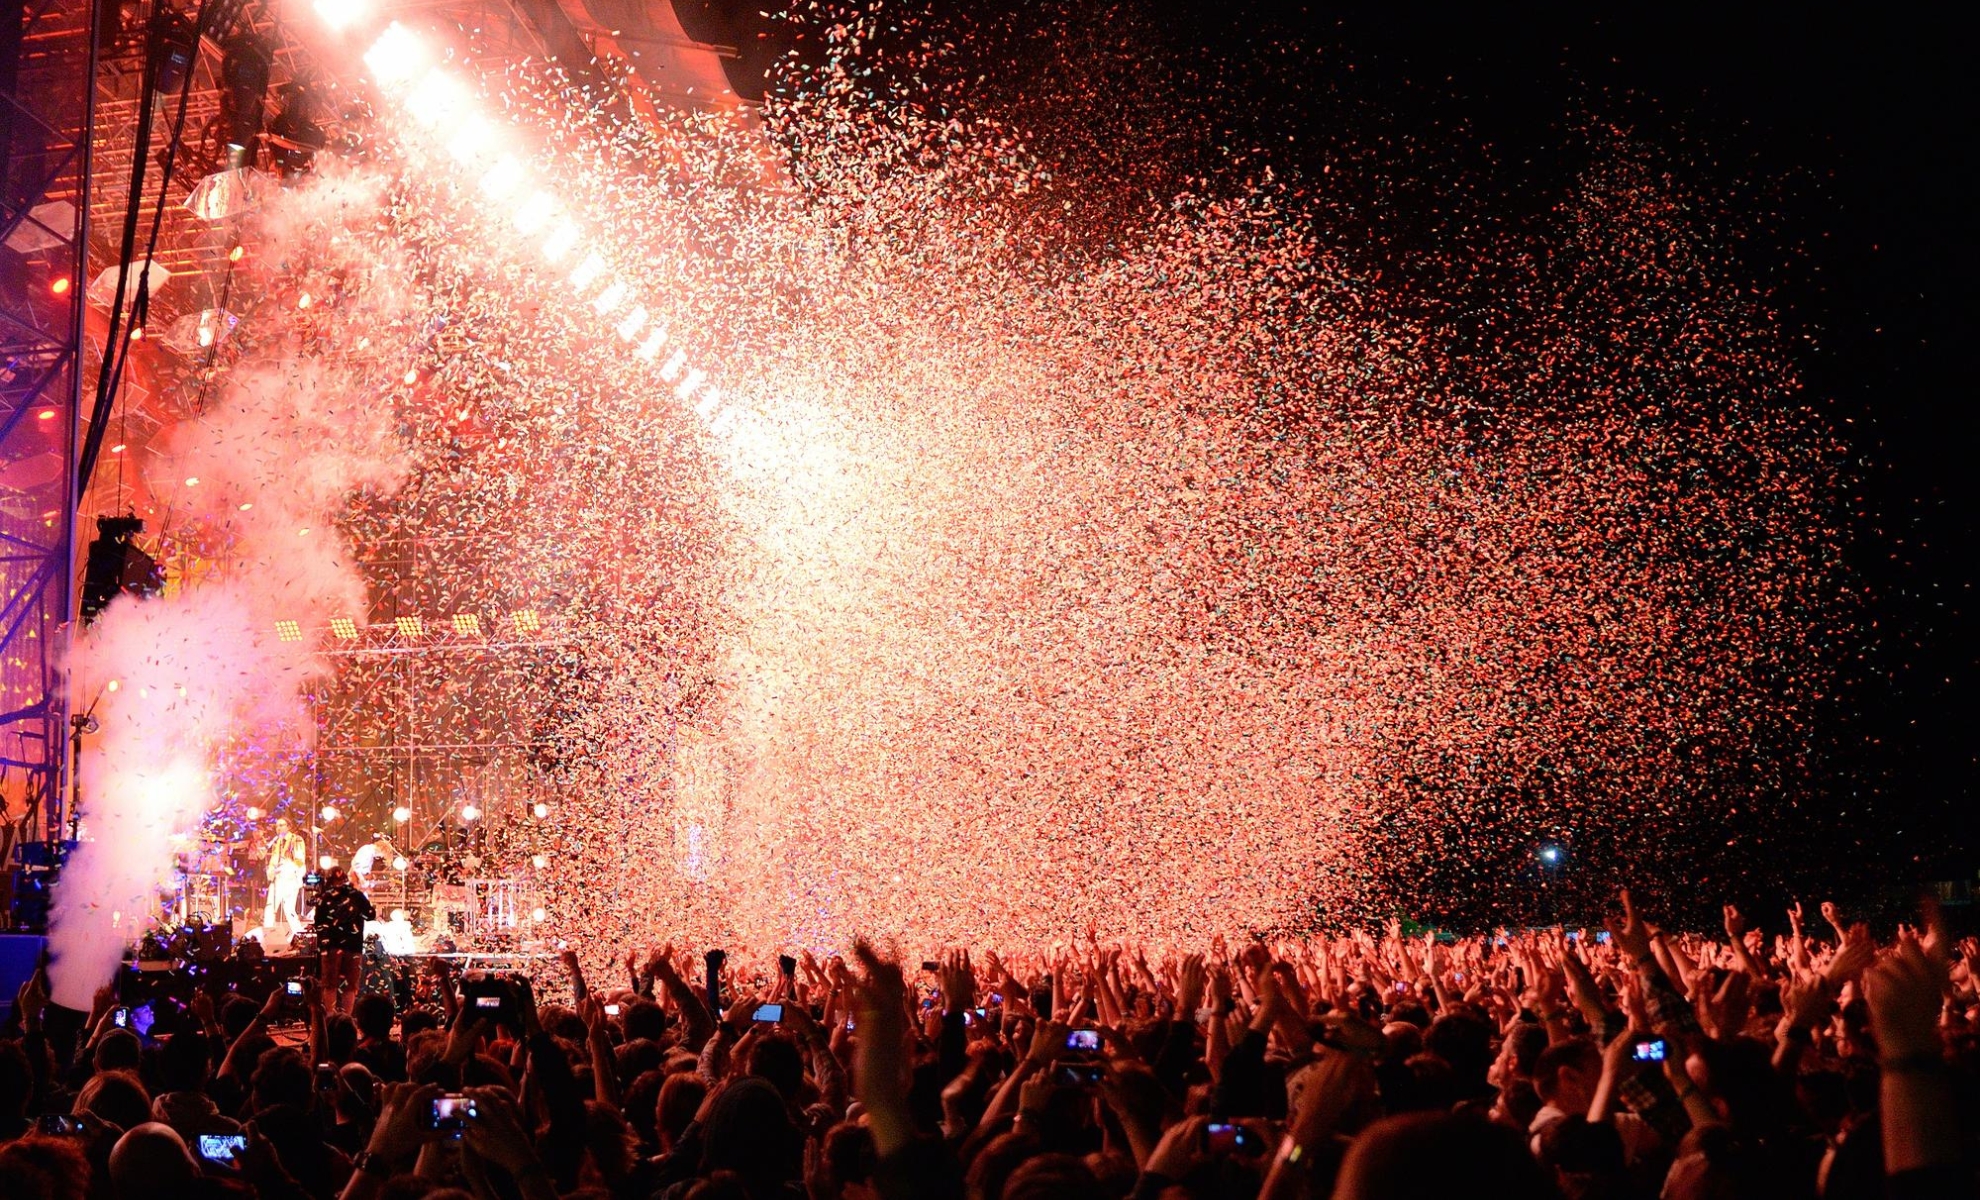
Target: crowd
(1631,1061)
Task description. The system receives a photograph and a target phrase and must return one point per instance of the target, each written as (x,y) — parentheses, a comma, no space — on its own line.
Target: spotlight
(587,272)
(560,242)
(396,56)
(609,299)
(344,628)
(650,348)
(470,813)
(527,621)
(402,814)
(400,863)
(503,177)
(535,212)
(541,810)
(330,812)
(253,812)
(539,861)
(467,624)
(289,631)
(475,138)
(244,64)
(1551,855)
(538,915)
(60,287)
(439,99)
(326,861)
(408,626)
(339,15)
(634,321)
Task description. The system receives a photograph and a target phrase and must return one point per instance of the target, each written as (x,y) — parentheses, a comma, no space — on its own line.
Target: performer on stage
(286,859)
(371,859)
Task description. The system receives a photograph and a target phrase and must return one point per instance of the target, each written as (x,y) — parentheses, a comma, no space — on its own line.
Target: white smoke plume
(284,442)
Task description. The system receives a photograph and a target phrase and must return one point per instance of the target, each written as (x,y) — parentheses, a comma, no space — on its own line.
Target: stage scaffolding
(48,55)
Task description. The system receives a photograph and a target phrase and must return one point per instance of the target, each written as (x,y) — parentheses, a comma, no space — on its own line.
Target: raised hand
(1735,924)
(401,1128)
(1189,987)
(1833,916)
(958,980)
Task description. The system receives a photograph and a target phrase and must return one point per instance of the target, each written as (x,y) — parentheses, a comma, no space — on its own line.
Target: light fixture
(541,810)
(326,861)
(402,814)
(330,812)
(470,812)
(396,57)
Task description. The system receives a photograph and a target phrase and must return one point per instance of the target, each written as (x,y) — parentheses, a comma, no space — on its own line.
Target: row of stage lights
(439,101)
(523,623)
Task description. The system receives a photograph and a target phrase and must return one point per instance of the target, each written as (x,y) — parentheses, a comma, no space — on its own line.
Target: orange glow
(60,286)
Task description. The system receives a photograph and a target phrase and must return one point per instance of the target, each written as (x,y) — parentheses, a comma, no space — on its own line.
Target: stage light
(325,862)
(340,15)
(538,915)
(535,212)
(694,379)
(294,136)
(303,532)
(671,369)
(60,287)
(113,685)
(527,621)
(396,56)
(253,812)
(475,138)
(246,504)
(289,631)
(400,863)
(402,814)
(117,449)
(1551,855)
(439,99)
(344,628)
(634,321)
(192,481)
(539,861)
(467,624)
(587,272)
(411,375)
(650,348)
(502,178)
(397,914)
(609,299)
(46,414)
(560,242)
(470,812)
(330,812)
(541,810)
(709,402)
(302,301)
(234,255)
(408,626)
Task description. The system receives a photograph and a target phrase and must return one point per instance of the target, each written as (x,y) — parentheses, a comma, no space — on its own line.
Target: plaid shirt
(1645,1091)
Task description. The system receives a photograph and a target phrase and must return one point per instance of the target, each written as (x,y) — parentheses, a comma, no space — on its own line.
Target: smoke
(289,435)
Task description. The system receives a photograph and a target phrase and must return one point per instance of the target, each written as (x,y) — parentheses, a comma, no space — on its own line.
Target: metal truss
(45,151)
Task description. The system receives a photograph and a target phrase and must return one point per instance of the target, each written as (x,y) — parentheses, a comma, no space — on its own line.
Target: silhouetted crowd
(1625,1062)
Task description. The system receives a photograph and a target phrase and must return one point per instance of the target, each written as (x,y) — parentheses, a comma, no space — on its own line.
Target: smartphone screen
(768,1014)
(1084,1041)
(1650,1050)
(293,987)
(451,1115)
(61,1125)
(221,1147)
(120,1017)
(611,1010)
